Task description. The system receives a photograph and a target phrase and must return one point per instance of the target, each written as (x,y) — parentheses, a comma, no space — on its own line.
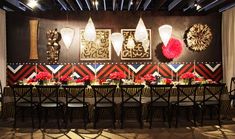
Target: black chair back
(213,92)
(75,94)
(48,94)
(160,93)
(186,93)
(104,93)
(22,94)
(131,93)
(232,87)
(1,90)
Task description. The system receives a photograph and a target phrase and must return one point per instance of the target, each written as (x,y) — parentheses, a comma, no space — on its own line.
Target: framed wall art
(100,49)
(133,50)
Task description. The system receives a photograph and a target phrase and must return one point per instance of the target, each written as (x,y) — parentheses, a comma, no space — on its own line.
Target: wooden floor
(131,131)
(186,131)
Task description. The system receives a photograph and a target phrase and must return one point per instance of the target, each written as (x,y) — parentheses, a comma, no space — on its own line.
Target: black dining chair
(232,91)
(23,100)
(49,100)
(1,95)
(212,99)
(131,99)
(186,99)
(104,100)
(160,99)
(75,99)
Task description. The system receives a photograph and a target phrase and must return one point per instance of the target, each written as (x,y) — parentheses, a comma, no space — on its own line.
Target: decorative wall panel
(141,51)
(100,49)
(17,72)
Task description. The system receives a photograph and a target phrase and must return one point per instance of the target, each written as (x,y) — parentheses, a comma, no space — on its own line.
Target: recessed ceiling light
(32,3)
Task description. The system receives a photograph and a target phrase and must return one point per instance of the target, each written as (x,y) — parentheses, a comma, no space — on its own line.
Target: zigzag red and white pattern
(17,72)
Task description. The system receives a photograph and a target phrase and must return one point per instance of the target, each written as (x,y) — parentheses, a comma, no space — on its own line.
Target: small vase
(64,82)
(87,83)
(41,82)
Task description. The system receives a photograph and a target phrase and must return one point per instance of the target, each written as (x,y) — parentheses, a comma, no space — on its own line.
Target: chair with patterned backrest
(131,99)
(186,98)
(104,99)
(212,99)
(23,99)
(75,99)
(232,90)
(48,100)
(160,98)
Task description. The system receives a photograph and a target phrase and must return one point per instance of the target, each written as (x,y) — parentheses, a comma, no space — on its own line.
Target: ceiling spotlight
(95,2)
(32,3)
(197,6)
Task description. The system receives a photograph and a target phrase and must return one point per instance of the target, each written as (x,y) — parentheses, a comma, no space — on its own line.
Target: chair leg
(32,117)
(139,111)
(15,114)
(95,118)
(169,117)
(113,117)
(148,114)
(85,116)
(122,116)
(176,116)
(39,117)
(151,117)
(71,115)
(57,117)
(202,116)
(23,110)
(194,116)
(218,112)
(163,114)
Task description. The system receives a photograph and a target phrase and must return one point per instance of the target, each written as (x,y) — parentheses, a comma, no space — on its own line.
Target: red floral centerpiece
(43,76)
(117,76)
(149,78)
(167,81)
(65,79)
(188,77)
(87,80)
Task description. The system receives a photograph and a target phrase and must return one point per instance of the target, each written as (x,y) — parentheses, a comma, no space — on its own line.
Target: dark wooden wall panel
(18,34)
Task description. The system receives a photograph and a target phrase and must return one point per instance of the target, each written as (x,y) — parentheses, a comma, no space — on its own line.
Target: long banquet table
(8,100)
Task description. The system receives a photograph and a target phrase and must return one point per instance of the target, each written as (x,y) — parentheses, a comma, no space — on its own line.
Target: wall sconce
(67,35)
(90,33)
(141,33)
(117,41)
(165,33)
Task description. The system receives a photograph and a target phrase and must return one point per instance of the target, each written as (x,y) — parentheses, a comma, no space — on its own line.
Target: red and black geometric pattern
(17,72)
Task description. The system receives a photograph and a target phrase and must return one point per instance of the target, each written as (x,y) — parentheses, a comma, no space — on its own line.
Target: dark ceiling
(184,7)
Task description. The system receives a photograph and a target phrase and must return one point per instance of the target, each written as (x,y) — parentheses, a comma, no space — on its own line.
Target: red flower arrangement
(42,76)
(173,49)
(167,81)
(188,75)
(79,80)
(117,76)
(31,80)
(149,78)
(65,79)
(86,78)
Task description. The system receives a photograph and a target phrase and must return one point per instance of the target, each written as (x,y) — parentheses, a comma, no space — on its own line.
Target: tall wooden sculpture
(33,39)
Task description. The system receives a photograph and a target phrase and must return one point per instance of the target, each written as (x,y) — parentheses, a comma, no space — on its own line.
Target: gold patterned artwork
(53,46)
(199,37)
(132,50)
(100,49)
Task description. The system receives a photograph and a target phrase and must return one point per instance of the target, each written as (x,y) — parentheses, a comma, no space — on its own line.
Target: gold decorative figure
(53,46)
